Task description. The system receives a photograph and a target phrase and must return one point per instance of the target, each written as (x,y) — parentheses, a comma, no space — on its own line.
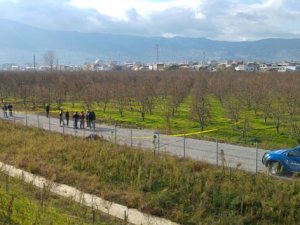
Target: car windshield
(295,152)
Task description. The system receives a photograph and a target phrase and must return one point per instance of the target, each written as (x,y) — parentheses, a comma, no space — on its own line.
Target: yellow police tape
(199,132)
(172,135)
(187,134)
(179,135)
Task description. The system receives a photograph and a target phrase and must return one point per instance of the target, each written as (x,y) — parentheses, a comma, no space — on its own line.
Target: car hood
(278,152)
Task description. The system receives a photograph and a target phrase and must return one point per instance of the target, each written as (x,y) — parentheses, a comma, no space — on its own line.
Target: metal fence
(219,154)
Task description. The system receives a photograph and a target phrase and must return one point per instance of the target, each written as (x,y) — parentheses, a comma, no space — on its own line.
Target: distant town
(209,66)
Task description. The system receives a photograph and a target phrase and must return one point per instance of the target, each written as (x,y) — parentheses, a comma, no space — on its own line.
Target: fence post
(26,119)
(158,143)
(115,133)
(131,135)
(184,146)
(38,121)
(256,158)
(112,136)
(217,151)
(14,114)
(63,127)
(49,124)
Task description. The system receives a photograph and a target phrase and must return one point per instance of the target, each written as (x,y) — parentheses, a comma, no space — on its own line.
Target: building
(249,67)
(284,69)
(157,67)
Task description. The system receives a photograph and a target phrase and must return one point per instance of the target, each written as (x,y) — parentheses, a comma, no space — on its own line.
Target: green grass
(24,204)
(184,191)
(227,131)
(76,90)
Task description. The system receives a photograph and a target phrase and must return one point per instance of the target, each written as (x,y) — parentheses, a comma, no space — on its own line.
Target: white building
(264,67)
(283,69)
(157,67)
(250,67)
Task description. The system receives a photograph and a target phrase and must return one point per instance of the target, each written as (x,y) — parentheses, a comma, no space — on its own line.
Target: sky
(228,20)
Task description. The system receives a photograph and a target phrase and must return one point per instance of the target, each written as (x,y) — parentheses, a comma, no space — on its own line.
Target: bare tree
(234,108)
(200,108)
(244,128)
(49,58)
(120,97)
(142,99)
(104,94)
(278,112)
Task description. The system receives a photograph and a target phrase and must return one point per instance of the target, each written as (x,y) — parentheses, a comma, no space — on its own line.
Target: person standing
(81,117)
(47,108)
(92,118)
(10,109)
(4,108)
(67,116)
(75,118)
(88,122)
(61,117)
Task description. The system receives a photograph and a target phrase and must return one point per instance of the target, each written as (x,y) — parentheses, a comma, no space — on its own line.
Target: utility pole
(157,53)
(34,63)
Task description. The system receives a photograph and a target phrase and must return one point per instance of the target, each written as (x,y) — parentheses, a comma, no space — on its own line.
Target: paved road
(248,159)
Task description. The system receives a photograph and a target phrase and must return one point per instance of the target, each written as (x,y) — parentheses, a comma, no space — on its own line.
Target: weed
(184,191)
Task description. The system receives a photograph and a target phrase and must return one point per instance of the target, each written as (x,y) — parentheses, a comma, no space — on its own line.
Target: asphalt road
(245,158)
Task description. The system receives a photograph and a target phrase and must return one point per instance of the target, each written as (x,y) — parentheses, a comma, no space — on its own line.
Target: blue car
(284,161)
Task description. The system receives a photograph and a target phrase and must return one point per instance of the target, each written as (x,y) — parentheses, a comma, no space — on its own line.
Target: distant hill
(19,42)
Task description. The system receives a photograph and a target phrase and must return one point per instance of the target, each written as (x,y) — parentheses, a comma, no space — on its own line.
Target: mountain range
(20,42)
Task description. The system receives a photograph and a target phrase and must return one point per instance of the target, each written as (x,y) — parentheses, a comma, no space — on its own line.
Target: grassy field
(184,191)
(238,102)
(224,129)
(23,204)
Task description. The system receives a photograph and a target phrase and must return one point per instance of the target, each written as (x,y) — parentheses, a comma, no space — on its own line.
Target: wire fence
(219,154)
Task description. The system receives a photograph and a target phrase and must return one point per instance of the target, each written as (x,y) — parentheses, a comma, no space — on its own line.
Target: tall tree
(49,58)
(200,109)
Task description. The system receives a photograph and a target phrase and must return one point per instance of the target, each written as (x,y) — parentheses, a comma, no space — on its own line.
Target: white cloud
(199,15)
(168,35)
(214,19)
(117,9)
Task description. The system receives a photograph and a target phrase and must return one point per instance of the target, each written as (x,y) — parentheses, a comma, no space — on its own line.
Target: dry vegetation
(184,191)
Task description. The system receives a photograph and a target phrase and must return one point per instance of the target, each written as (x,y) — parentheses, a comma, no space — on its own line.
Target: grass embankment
(184,191)
(23,204)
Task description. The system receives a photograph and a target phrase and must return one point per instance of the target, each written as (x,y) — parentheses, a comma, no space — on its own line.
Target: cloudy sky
(231,20)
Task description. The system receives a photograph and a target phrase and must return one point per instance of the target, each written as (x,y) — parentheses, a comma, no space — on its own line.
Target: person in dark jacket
(92,118)
(67,116)
(10,109)
(75,118)
(4,108)
(47,109)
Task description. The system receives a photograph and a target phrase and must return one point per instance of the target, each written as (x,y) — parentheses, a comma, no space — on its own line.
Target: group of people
(64,118)
(90,118)
(7,110)
(80,118)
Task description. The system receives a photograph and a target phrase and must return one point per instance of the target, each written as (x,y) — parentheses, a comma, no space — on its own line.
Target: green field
(224,129)
(184,191)
(24,204)
(240,108)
